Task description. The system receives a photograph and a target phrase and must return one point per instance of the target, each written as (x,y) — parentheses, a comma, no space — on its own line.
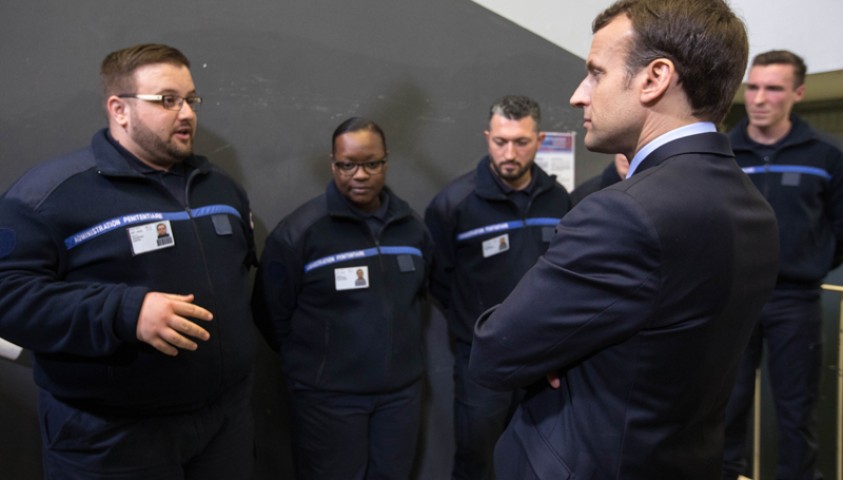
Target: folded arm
(596,286)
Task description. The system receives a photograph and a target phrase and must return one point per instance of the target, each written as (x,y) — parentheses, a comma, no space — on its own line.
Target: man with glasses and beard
(142,352)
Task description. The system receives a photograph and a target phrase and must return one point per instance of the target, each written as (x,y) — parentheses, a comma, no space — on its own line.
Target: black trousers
(343,436)
(791,328)
(215,442)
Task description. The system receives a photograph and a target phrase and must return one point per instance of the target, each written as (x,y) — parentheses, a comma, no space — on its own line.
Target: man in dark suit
(628,331)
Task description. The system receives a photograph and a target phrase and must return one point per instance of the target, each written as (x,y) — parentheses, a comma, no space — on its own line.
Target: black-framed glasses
(350,168)
(170,102)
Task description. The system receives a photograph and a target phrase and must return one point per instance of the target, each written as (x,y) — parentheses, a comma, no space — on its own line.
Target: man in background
(800,172)
(489,226)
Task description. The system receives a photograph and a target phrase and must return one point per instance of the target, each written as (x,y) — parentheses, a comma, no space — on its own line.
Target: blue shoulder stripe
(506,226)
(788,168)
(144,217)
(353,254)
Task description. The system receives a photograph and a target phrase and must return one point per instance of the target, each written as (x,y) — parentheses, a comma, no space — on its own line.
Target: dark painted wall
(277,77)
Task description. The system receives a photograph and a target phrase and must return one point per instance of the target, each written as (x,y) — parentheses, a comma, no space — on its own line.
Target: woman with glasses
(351,350)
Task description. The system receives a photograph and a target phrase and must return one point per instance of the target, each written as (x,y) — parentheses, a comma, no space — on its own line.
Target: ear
(800,93)
(117,110)
(486,134)
(659,75)
(541,137)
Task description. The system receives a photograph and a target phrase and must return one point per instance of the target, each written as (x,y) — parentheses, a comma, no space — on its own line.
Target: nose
(758,96)
(580,96)
(186,111)
(509,150)
(360,173)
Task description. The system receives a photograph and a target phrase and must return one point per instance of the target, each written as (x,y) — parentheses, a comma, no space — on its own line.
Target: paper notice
(556,157)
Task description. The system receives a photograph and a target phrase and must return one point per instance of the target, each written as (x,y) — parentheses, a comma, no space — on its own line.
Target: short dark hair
(355,124)
(784,57)
(118,68)
(516,107)
(704,39)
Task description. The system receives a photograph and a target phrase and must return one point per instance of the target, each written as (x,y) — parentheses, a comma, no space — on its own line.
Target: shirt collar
(685,131)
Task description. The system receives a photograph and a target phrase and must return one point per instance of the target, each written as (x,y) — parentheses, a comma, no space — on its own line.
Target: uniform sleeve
(277,284)
(835,206)
(595,286)
(42,312)
(442,273)
(249,221)
(427,249)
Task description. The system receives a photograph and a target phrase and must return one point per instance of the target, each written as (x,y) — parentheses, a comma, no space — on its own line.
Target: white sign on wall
(556,157)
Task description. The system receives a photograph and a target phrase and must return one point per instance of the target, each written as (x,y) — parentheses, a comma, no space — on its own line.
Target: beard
(515,174)
(161,152)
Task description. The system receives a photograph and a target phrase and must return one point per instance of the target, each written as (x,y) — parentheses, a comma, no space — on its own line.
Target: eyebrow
(592,67)
(172,91)
(510,139)
(768,87)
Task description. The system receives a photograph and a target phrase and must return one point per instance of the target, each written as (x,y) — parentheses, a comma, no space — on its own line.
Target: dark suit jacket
(643,304)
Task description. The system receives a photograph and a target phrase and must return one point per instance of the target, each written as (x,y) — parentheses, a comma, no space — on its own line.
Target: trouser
(344,436)
(791,327)
(480,416)
(214,442)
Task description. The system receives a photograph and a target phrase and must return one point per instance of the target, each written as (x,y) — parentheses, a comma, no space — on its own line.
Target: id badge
(151,237)
(351,278)
(496,245)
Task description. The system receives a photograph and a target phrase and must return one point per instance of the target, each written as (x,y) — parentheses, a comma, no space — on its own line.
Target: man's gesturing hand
(163,324)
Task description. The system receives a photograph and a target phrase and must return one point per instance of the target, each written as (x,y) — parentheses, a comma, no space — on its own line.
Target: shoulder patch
(8,242)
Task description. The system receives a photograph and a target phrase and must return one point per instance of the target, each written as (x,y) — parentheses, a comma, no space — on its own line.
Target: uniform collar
(339,206)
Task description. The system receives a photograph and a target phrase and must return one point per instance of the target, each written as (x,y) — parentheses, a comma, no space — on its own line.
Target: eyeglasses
(350,168)
(170,102)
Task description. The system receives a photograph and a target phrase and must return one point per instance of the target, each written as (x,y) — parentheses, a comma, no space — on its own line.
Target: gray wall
(277,77)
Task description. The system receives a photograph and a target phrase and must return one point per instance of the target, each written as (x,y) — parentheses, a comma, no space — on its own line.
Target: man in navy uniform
(143,352)
(489,226)
(800,172)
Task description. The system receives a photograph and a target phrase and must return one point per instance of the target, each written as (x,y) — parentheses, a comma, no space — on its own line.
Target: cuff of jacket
(126,324)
